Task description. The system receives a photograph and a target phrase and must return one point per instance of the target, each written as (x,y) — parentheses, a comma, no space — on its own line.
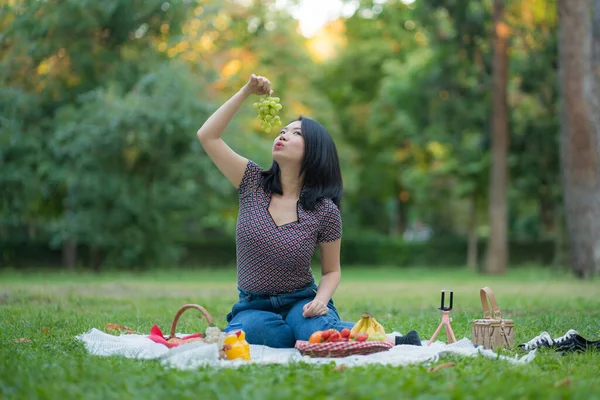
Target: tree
(374,38)
(59,58)
(133,178)
(580,134)
(497,252)
(99,104)
(593,92)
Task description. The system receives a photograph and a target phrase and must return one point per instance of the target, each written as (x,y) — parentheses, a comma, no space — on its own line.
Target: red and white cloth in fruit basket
(341,349)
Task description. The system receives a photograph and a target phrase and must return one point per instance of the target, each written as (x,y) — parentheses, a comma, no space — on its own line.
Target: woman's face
(289,144)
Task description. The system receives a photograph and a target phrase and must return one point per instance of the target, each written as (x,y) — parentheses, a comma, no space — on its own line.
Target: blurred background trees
(449,117)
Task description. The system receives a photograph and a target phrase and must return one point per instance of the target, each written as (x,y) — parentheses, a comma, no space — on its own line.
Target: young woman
(285,213)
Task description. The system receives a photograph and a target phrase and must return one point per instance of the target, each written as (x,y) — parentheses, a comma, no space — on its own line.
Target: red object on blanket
(341,349)
(157,336)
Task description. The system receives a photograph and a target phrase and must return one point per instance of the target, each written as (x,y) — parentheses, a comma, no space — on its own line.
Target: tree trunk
(559,239)
(69,255)
(497,252)
(96,258)
(31,230)
(402,216)
(593,96)
(547,213)
(393,218)
(472,244)
(579,140)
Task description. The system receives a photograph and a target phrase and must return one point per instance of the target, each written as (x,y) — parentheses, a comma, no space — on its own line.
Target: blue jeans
(277,321)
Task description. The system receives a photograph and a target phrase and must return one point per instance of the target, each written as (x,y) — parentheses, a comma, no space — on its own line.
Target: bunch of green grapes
(268,107)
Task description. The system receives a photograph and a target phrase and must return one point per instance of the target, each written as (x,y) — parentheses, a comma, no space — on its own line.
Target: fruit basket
(341,349)
(367,336)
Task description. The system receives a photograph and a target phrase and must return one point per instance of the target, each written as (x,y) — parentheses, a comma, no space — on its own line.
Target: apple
(325,335)
(335,337)
(345,332)
(361,337)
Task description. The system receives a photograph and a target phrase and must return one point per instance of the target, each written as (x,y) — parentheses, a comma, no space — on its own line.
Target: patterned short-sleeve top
(275,259)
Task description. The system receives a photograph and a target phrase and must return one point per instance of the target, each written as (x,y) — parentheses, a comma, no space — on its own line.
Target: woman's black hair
(321,168)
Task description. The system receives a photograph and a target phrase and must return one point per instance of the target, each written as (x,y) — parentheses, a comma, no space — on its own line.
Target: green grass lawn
(49,309)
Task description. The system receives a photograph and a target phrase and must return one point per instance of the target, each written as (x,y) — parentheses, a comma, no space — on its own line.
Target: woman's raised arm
(231,164)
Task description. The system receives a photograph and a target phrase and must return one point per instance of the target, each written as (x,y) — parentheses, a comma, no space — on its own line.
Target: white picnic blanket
(194,355)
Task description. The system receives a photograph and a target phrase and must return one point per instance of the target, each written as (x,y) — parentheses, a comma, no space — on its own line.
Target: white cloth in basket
(194,355)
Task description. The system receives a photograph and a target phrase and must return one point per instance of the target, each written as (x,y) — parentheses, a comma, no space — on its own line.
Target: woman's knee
(303,327)
(265,328)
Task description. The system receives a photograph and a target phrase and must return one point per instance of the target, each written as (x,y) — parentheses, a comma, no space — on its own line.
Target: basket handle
(181,310)
(486,291)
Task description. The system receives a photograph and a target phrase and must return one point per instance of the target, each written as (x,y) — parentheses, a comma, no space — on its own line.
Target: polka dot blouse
(274,259)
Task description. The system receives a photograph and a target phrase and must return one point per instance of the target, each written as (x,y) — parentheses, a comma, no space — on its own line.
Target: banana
(358,327)
(370,328)
(377,326)
(367,324)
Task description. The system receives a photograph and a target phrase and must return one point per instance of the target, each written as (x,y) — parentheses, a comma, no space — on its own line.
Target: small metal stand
(445,319)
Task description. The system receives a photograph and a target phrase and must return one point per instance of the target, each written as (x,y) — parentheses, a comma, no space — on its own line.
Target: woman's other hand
(314,308)
(258,85)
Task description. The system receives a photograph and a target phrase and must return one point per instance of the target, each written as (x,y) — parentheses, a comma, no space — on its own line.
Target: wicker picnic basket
(172,338)
(341,349)
(492,331)
(213,333)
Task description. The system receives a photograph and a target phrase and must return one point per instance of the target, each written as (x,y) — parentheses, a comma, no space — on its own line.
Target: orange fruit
(316,337)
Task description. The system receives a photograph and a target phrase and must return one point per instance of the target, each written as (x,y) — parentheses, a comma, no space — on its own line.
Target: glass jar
(235,344)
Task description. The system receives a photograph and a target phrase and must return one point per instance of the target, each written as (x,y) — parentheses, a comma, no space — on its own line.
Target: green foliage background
(100,102)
